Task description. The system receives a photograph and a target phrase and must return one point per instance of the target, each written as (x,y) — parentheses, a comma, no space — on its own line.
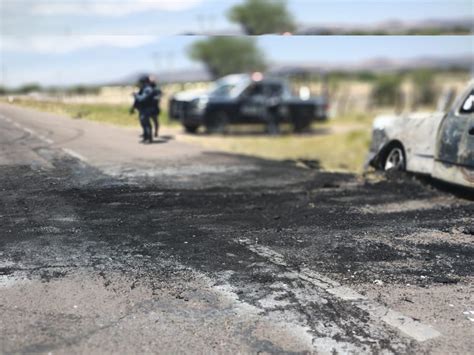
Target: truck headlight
(199,105)
(202,104)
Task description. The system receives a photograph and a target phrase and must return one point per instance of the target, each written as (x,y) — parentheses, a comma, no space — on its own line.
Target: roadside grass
(339,144)
(344,151)
(108,113)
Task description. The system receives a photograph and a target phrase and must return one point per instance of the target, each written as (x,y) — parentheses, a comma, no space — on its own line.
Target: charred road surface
(107,246)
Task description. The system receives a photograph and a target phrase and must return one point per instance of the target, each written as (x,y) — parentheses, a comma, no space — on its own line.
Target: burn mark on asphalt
(112,225)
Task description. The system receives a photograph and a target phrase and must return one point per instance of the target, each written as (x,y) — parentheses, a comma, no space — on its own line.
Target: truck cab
(246,99)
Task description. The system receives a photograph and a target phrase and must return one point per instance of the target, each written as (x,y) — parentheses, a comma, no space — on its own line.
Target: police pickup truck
(245,99)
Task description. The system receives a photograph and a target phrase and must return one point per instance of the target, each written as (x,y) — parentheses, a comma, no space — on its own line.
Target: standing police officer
(145,103)
(157,93)
(272,103)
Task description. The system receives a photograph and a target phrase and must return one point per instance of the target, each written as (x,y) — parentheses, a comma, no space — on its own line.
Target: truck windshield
(223,90)
(229,86)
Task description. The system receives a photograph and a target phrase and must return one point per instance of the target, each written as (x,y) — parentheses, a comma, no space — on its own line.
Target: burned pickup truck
(439,144)
(246,99)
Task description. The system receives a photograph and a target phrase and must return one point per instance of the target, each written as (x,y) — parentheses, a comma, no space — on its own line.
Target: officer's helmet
(144,80)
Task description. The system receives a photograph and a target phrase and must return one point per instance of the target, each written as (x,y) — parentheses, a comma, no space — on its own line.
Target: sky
(64,42)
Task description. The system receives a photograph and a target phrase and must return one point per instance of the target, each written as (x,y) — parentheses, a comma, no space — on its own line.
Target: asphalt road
(109,246)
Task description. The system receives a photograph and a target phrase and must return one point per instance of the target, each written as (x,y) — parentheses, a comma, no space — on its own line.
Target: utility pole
(170,60)
(201,23)
(212,22)
(4,74)
(157,59)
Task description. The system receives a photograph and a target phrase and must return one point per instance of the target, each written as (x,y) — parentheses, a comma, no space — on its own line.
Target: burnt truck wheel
(395,159)
(217,122)
(192,129)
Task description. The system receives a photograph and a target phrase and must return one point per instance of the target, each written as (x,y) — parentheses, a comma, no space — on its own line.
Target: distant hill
(177,76)
(463,25)
(379,65)
(373,65)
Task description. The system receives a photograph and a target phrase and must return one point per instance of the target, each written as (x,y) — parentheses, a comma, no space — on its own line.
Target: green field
(340,144)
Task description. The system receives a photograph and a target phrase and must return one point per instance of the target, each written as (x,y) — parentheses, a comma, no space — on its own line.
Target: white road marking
(74,154)
(27,130)
(70,152)
(407,325)
(44,139)
(5,118)
(31,132)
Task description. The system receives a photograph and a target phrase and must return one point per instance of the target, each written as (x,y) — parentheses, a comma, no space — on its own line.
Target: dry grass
(113,114)
(339,144)
(334,148)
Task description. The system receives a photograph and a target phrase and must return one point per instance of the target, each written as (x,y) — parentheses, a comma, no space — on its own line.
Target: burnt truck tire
(192,129)
(217,122)
(395,159)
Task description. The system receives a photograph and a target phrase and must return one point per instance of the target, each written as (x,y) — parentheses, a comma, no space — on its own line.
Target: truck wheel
(191,129)
(273,128)
(217,123)
(301,125)
(395,159)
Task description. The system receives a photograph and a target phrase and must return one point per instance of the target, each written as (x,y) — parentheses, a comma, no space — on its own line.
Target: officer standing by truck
(272,101)
(157,93)
(145,103)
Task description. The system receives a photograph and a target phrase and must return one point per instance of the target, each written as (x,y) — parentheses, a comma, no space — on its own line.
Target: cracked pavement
(108,246)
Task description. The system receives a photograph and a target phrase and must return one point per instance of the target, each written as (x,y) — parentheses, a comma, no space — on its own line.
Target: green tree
(259,17)
(387,89)
(228,55)
(366,75)
(29,88)
(423,80)
(83,90)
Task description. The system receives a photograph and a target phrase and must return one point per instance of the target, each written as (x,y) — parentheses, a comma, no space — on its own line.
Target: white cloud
(67,44)
(108,7)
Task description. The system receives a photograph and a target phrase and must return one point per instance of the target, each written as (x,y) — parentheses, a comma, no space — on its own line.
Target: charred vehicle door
(456,133)
(455,141)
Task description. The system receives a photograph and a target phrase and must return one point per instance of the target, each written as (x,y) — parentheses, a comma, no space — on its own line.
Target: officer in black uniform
(157,93)
(272,98)
(145,104)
